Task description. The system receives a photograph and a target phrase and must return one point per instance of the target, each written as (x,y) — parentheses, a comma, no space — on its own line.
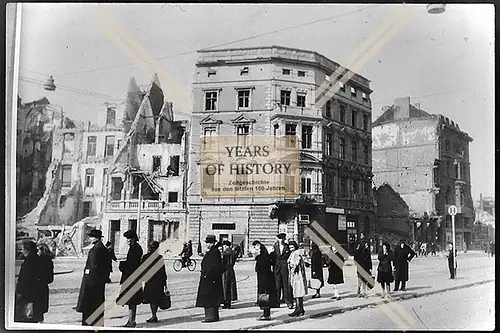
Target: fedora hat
(210,239)
(226,242)
(130,234)
(281,235)
(95,233)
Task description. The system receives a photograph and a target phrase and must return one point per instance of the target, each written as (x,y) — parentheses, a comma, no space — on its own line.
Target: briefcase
(263,301)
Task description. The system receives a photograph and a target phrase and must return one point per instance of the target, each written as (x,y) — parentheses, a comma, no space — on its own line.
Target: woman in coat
(317,267)
(384,276)
(128,267)
(363,261)
(335,271)
(154,288)
(46,271)
(28,287)
(209,294)
(229,290)
(298,280)
(265,279)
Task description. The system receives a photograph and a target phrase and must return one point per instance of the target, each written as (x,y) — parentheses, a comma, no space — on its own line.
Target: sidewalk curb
(355,307)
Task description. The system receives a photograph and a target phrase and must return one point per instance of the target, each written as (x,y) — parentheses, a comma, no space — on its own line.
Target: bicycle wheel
(177,265)
(191,265)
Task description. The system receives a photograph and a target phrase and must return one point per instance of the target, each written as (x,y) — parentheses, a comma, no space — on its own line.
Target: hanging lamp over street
(436,8)
(50,84)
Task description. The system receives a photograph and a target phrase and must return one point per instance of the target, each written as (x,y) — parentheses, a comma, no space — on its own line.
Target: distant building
(271,91)
(425,158)
(484,225)
(392,217)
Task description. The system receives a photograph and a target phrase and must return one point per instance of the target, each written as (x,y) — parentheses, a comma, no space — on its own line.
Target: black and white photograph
(250,166)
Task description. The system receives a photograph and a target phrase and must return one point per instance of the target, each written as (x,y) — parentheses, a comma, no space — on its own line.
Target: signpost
(452,210)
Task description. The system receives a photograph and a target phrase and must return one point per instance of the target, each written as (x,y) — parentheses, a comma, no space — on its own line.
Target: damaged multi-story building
(271,91)
(425,158)
(97,169)
(146,181)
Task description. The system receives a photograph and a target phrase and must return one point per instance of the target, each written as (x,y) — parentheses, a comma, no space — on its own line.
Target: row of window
(342,116)
(356,187)
(343,148)
(109,146)
(457,147)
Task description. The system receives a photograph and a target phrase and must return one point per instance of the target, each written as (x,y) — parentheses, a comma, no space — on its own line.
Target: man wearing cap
(210,287)
(280,255)
(403,254)
(95,274)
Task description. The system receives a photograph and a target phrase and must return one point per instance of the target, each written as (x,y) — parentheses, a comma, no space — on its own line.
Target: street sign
(342,223)
(452,210)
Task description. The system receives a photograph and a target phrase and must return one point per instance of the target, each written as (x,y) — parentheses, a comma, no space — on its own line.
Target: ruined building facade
(147,178)
(425,158)
(271,91)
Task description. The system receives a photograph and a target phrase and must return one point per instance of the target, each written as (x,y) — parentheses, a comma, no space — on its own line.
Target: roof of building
(388,115)
(275,51)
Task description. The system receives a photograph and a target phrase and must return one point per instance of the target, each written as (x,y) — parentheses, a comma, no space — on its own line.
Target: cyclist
(187,252)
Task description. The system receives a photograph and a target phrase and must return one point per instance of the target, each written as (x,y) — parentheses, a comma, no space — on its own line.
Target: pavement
(428,275)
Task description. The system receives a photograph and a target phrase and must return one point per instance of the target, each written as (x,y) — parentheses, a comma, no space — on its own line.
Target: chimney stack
(385,108)
(402,108)
(417,105)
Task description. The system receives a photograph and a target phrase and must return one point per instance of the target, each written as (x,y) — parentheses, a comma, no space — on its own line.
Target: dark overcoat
(336,272)
(46,271)
(280,259)
(363,259)
(265,278)
(154,288)
(128,267)
(95,275)
(230,292)
(210,285)
(317,265)
(384,270)
(28,290)
(402,256)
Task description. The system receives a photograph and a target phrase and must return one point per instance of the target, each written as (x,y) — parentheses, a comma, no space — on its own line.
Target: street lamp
(436,8)
(50,84)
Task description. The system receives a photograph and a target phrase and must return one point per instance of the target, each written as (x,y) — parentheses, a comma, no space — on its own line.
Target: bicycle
(190,265)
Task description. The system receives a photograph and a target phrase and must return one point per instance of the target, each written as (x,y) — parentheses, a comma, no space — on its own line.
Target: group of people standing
(132,293)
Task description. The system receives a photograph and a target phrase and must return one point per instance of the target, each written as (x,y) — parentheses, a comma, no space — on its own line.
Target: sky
(444,61)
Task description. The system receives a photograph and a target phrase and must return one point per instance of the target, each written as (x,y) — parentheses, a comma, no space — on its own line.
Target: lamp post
(139,197)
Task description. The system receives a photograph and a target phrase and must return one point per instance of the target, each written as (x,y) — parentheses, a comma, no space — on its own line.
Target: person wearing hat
(403,254)
(95,274)
(128,267)
(280,254)
(210,289)
(228,276)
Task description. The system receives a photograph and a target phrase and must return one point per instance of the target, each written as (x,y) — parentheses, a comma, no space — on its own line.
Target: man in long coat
(228,276)
(210,287)
(403,254)
(280,255)
(95,275)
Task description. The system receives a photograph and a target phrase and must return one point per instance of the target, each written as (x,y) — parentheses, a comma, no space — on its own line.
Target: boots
(403,285)
(301,307)
(296,310)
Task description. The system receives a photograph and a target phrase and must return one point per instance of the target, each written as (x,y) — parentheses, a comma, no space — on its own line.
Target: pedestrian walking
(433,248)
(451,261)
(280,254)
(229,258)
(210,289)
(298,280)
(335,271)
(266,286)
(384,270)
(363,262)
(317,267)
(95,274)
(403,254)
(28,304)
(492,248)
(128,284)
(46,276)
(154,288)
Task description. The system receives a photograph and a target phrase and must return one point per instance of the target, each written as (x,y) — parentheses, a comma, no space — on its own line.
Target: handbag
(28,310)
(165,302)
(314,284)
(263,301)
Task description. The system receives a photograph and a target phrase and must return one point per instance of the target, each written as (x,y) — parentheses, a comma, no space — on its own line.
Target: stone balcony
(146,206)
